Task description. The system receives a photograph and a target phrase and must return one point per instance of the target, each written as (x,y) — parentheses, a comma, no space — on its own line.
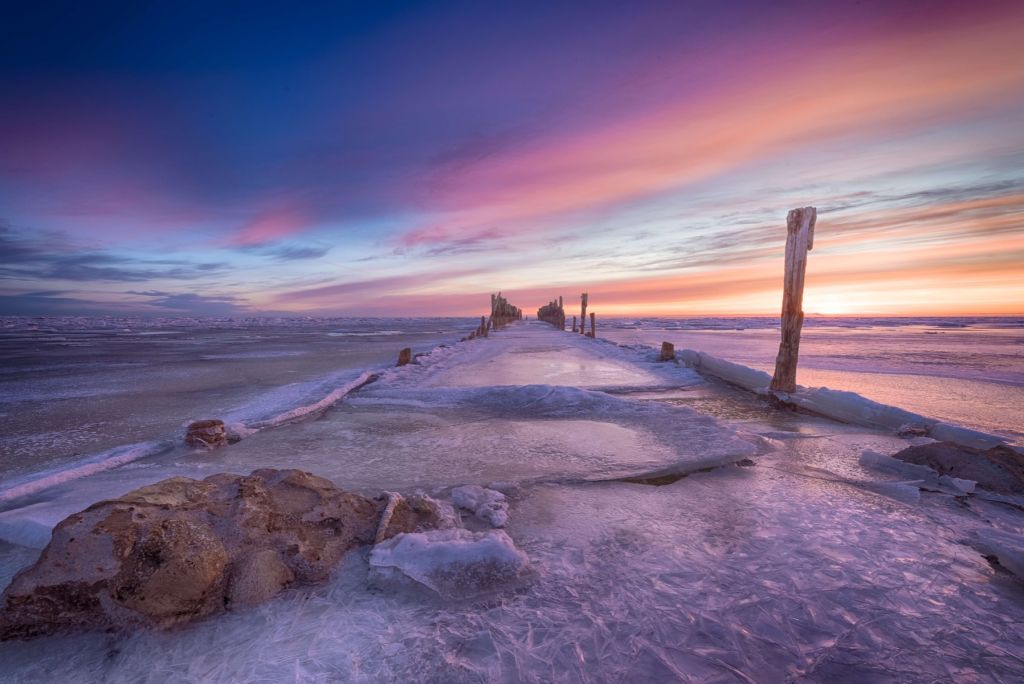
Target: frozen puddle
(799,568)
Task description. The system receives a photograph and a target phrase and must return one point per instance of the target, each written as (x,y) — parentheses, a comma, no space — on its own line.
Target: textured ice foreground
(807,566)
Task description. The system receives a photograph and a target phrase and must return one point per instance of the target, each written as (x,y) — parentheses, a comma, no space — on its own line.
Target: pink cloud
(787,103)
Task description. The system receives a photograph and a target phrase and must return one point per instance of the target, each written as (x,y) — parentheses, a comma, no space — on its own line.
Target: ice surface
(486,504)
(106,460)
(848,407)
(810,565)
(455,563)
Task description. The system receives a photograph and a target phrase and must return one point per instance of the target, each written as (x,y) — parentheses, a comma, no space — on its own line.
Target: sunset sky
(407,158)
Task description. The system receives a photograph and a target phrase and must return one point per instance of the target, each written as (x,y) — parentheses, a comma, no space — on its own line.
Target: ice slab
(455,563)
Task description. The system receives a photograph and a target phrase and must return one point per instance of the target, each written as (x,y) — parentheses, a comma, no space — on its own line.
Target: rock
(413,514)
(206,434)
(668,352)
(404,357)
(486,504)
(258,578)
(454,563)
(999,469)
(182,549)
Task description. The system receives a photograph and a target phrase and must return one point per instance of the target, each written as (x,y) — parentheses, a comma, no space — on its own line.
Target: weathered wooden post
(668,352)
(574,323)
(583,313)
(483,326)
(593,326)
(404,357)
(799,241)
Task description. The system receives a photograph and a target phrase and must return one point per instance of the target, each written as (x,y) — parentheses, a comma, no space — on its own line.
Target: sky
(400,159)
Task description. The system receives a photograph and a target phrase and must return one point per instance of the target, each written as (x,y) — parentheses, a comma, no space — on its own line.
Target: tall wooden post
(583,313)
(593,326)
(574,323)
(799,241)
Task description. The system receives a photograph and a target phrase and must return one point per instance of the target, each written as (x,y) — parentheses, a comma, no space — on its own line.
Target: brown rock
(183,549)
(413,514)
(206,434)
(1000,469)
(258,578)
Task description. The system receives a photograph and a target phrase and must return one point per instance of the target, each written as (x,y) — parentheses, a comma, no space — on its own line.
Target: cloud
(199,305)
(22,259)
(288,252)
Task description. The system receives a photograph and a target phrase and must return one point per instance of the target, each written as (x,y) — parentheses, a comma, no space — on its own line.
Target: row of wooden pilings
(502,313)
(554,313)
(799,241)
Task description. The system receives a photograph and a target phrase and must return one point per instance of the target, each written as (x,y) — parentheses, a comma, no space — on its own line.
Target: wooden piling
(799,241)
(574,323)
(404,357)
(668,352)
(583,313)
(593,326)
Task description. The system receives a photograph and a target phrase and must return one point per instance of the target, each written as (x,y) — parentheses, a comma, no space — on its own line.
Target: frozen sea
(808,566)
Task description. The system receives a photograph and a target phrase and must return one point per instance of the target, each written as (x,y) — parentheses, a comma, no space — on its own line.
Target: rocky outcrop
(1000,469)
(183,549)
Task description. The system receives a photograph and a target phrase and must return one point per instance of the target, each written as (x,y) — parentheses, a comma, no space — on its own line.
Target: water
(73,387)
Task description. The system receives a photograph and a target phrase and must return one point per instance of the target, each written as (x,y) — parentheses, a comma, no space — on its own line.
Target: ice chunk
(886,463)
(733,373)
(921,473)
(851,407)
(486,504)
(1007,548)
(454,563)
(946,432)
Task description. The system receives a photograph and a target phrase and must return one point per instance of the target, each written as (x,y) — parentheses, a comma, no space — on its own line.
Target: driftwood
(799,241)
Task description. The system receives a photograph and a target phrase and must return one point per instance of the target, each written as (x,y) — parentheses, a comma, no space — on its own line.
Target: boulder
(183,549)
(206,434)
(413,514)
(999,469)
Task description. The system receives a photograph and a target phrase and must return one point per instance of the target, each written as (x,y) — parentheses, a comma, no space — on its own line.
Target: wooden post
(574,323)
(404,357)
(799,241)
(483,327)
(593,326)
(583,313)
(668,352)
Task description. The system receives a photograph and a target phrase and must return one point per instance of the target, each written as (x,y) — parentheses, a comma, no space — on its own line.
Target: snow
(486,504)
(455,563)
